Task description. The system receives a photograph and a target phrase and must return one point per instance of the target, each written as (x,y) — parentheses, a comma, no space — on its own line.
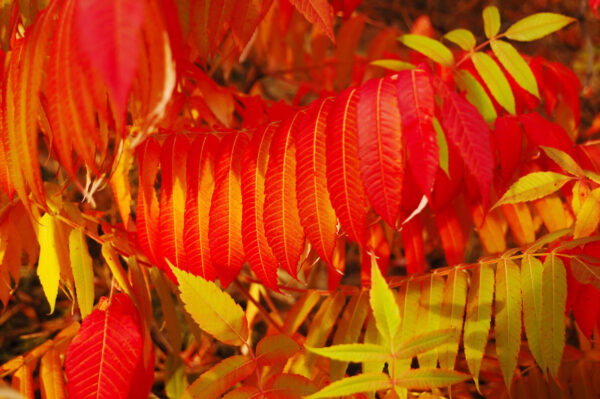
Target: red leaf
(200,185)
(343,166)
(587,308)
(259,254)
(541,132)
(412,240)
(225,225)
(451,234)
(508,137)
(219,16)
(380,147)
(282,222)
(172,199)
(416,104)
(147,211)
(109,33)
(316,213)
(377,244)
(467,130)
(594,4)
(247,14)
(102,358)
(317,12)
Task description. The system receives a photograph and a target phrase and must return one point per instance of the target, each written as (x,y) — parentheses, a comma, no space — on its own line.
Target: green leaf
(479,315)
(533,186)
(453,310)
(507,308)
(217,380)
(274,349)
(554,299)
(531,287)
(476,94)
(372,336)
(83,273)
(385,309)
(429,47)
(353,352)
(52,254)
(428,378)
(515,65)
(442,145)
(491,21)
(423,343)
(212,309)
(461,37)
(495,80)
(369,382)
(392,65)
(564,160)
(432,294)
(537,26)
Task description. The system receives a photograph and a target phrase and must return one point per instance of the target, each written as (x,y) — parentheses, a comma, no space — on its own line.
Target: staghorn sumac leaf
(533,186)
(282,222)
(147,209)
(119,181)
(52,381)
(520,221)
(507,311)
(314,208)
(274,349)
(300,311)
(588,217)
(491,21)
(53,253)
(531,287)
(83,272)
(475,94)
(423,342)
(461,37)
(243,392)
(259,254)
(367,382)
(110,35)
(453,310)
(172,200)
(515,65)
(200,185)
(225,225)
(220,378)
(428,378)
(467,130)
(417,107)
(428,318)
(541,132)
(318,13)
(343,166)
(22,381)
(537,26)
(353,352)
(385,308)
(289,386)
(564,160)
(245,19)
(428,47)
(478,318)
(380,147)
(495,80)
(102,358)
(392,65)
(212,309)
(554,299)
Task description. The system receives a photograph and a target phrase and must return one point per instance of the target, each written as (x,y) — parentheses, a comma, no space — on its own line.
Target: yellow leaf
(453,310)
(519,219)
(531,286)
(430,308)
(479,314)
(119,181)
(300,311)
(476,94)
(515,65)
(366,382)
(392,65)
(491,21)
(564,160)
(112,260)
(385,308)
(533,186)
(52,383)
(212,309)
(429,378)
(429,47)
(554,299)
(52,255)
(461,37)
(372,336)
(83,273)
(495,80)
(552,212)
(588,216)
(507,308)
(537,26)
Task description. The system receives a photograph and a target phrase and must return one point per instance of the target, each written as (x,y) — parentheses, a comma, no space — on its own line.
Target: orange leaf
(317,12)
(22,381)
(225,232)
(451,234)
(200,184)
(52,383)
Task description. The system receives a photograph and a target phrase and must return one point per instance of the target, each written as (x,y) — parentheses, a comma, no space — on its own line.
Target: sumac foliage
(442,183)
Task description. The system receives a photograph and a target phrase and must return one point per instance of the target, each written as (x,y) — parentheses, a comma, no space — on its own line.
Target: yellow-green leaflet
(461,37)
(212,309)
(515,65)
(83,273)
(432,294)
(507,308)
(423,342)
(533,186)
(588,216)
(453,310)
(554,299)
(408,302)
(368,382)
(537,26)
(476,94)
(428,378)
(353,352)
(392,65)
(429,47)
(491,21)
(372,336)
(495,80)
(479,315)
(564,160)
(443,146)
(51,249)
(531,287)
(385,309)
